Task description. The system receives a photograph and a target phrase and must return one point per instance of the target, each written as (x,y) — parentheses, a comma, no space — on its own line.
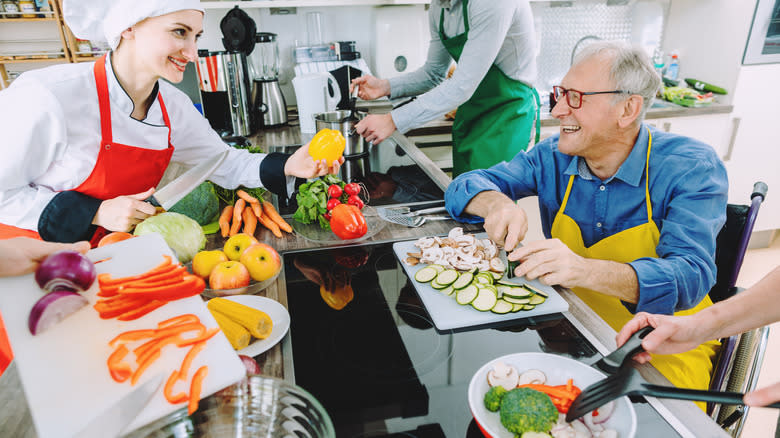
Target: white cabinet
(713,129)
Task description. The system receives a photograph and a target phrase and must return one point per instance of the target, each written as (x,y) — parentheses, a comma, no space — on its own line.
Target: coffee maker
(267,99)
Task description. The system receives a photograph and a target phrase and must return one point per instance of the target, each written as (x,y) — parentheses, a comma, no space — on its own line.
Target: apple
(236,244)
(229,275)
(204,262)
(262,261)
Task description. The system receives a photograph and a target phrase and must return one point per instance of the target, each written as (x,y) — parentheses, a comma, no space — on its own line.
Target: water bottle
(658,61)
(673,71)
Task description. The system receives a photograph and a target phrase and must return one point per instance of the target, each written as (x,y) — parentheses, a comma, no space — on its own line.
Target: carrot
(247,197)
(238,209)
(257,209)
(271,225)
(250,221)
(195,387)
(271,212)
(224,220)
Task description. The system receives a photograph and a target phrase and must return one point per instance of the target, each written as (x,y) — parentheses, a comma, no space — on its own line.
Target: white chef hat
(105,20)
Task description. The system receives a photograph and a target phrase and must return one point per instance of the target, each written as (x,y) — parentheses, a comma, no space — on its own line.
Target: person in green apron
(631,214)
(492,42)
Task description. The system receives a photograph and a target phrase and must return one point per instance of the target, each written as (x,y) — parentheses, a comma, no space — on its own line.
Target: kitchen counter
(683,417)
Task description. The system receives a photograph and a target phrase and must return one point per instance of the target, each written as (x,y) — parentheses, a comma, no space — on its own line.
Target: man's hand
(552,262)
(124,212)
(672,334)
(506,224)
(22,255)
(370,87)
(301,165)
(375,128)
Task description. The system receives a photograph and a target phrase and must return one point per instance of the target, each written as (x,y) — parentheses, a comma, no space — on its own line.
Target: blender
(267,98)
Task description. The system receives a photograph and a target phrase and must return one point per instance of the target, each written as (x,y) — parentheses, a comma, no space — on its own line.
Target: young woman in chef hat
(84,144)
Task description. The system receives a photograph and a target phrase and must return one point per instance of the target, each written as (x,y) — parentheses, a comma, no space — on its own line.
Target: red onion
(53,308)
(604,413)
(66,269)
(251,365)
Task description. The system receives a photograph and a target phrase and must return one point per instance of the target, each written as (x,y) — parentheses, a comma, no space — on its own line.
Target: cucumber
(516,292)
(466,295)
(536,300)
(426,274)
(438,268)
(535,290)
(510,268)
(463,280)
(502,307)
(703,86)
(517,300)
(447,277)
(448,290)
(484,301)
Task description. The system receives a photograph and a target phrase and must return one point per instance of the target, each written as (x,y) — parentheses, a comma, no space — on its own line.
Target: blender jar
(265,57)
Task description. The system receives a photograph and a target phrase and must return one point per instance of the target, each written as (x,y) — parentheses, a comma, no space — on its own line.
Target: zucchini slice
(528,307)
(448,290)
(447,277)
(516,300)
(497,276)
(535,290)
(484,278)
(438,286)
(464,279)
(466,295)
(517,307)
(437,267)
(516,292)
(426,274)
(502,307)
(536,300)
(484,301)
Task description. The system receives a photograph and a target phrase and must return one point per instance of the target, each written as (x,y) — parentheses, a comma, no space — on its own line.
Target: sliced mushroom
(532,376)
(455,232)
(496,265)
(424,242)
(411,261)
(414,254)
(503,375)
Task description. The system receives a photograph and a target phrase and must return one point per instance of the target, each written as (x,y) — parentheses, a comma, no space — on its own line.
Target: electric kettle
(315,93)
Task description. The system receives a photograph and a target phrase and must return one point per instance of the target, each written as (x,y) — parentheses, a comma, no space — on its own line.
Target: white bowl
(558,370)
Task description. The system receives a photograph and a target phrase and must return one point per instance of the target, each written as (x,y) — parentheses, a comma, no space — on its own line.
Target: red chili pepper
(334,191)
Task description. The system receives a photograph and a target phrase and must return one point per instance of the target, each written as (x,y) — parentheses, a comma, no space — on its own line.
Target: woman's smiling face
(163,45)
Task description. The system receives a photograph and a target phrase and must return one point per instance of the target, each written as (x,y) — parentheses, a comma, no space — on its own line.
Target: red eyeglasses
(574,97)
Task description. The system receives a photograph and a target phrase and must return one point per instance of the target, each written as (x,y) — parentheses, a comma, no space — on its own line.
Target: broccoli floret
(527,410)
(493,398)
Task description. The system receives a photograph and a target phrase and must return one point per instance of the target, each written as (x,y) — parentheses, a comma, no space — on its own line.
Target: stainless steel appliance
(268,102)
(356,165)
(238,37)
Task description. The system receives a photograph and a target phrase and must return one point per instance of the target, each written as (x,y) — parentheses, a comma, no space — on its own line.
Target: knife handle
(632,346)
(152,200)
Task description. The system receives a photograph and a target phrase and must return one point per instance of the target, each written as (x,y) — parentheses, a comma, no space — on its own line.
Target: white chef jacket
(50,120)
(501,32)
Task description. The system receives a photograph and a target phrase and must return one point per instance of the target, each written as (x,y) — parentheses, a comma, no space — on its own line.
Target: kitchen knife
(172,193)
(113,420)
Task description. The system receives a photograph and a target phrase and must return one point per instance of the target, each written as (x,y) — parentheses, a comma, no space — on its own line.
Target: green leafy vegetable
(312,200)
(182,234)
(201,204)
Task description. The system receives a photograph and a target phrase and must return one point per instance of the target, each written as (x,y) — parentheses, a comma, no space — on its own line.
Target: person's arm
(684,270)
(488,23)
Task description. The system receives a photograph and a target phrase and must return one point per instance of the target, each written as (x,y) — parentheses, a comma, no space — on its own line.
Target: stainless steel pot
(341,121)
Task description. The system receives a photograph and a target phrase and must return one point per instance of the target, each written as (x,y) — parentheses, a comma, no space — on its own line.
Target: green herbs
(312,200)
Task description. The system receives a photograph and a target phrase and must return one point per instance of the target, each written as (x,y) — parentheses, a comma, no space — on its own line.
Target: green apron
(495,123)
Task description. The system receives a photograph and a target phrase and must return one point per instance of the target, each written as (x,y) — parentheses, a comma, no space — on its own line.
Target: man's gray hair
(631,70)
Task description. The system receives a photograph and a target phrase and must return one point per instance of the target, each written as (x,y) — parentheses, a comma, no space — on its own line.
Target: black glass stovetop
(378,365)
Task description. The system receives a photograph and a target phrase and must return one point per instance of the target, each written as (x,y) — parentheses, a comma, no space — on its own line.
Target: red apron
(119,170)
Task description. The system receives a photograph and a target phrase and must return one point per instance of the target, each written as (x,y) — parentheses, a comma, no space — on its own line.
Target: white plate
(278,314)
(558,370)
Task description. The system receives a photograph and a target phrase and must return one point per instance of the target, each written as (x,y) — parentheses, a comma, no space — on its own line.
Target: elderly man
(631,214)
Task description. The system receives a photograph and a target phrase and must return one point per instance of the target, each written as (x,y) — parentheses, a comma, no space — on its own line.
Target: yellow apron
(691,369)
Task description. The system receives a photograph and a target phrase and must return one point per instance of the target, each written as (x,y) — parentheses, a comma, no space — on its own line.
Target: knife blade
(111,421)
(172,193)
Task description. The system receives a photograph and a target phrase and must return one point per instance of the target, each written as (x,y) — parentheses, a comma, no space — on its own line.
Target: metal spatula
(408,219)
(629,382)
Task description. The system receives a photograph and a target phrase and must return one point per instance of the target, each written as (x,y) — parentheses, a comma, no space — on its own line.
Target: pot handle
(332,84)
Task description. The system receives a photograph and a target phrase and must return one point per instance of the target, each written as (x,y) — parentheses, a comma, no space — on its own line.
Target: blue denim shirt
(688,191)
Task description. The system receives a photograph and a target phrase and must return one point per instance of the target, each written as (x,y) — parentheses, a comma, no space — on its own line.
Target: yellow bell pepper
(339,298)
(328,144)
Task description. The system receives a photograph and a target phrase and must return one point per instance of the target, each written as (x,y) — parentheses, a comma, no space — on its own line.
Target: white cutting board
(63,370)
(447,314)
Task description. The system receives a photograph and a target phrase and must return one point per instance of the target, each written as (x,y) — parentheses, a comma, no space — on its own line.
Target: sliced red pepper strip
(141,311)
(119,370)
(168,390)
(185,364)
(191,285)
(143,366)
(187,317)
(165,266)
(107,311)
(182,328)
(168,277)
(146,350)
(133,335)
(203,337)
(195,387)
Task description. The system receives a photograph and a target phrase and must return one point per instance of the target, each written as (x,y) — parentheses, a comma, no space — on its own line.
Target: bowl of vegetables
(530,392)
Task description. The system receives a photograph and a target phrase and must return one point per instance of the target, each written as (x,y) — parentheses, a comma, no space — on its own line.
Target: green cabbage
(182,234)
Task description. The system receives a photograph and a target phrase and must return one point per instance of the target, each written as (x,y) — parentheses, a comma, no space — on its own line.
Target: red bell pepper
(347,222)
